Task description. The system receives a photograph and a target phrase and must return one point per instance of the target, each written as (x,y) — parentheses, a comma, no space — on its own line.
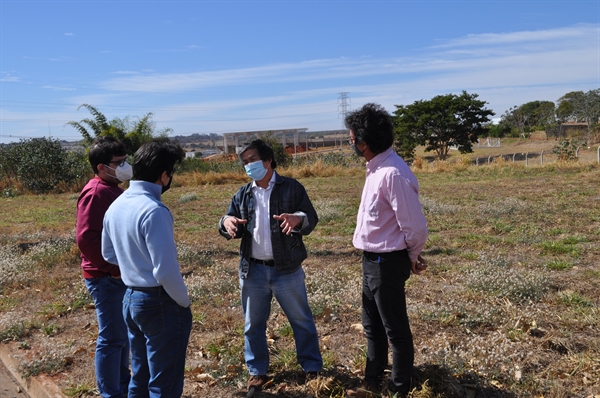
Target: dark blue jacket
(288,196)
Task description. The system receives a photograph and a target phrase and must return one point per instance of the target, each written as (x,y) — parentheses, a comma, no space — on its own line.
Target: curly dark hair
(373,125)
(103,150)
(265,152)
(155,157)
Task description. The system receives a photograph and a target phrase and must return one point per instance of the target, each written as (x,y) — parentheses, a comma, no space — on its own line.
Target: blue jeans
(159,330)
(289,289)
(112,347)
(384,318)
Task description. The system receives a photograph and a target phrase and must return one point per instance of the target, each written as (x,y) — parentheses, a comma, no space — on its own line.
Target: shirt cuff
(303,220)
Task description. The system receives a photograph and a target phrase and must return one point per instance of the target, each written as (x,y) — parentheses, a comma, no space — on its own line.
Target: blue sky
(224,66)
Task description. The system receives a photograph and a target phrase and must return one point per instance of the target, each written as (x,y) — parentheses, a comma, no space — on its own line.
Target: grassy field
(508,307)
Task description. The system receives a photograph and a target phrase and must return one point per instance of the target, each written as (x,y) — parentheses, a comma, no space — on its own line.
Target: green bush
(41,165)
(203,166)
(330,159)
(567,149)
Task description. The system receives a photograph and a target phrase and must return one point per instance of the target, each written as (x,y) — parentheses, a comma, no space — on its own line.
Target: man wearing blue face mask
(270,215)
(102,279)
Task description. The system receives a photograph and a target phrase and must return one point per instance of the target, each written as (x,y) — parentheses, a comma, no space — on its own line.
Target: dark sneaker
(308,376)
(364,390)
(257,382)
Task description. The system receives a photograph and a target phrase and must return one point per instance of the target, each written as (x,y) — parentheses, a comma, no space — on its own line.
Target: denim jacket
(288,196)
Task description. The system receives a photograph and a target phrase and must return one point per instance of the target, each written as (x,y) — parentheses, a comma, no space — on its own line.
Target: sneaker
(257,382)
(364,390)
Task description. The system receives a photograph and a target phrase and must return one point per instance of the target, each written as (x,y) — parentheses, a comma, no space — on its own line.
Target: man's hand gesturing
(290,221)
(230,223)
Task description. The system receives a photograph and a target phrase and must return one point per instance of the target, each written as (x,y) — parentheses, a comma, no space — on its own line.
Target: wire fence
(532,158)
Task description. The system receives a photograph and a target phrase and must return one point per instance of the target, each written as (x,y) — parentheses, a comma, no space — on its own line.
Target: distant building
(193,154)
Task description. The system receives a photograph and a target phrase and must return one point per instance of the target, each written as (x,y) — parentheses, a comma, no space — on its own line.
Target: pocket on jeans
(149,318)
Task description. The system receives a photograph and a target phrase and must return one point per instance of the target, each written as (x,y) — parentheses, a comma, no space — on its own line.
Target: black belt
(267,263)
(148,289)
(378,256)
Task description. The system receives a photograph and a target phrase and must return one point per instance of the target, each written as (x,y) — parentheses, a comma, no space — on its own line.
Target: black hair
(373,125)
(265,152)
(155,157)
(103,150)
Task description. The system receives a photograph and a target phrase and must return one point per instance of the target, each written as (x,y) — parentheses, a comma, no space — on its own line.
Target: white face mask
(123,172)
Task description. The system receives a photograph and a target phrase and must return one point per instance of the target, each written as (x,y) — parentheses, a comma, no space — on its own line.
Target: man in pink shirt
(102,279)
(392,231)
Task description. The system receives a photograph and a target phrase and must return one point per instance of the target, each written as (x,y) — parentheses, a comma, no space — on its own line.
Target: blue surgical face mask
(256,170)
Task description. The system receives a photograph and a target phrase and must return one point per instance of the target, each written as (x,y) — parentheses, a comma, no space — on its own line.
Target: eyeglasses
(173,172)
(350,141)
(118,162)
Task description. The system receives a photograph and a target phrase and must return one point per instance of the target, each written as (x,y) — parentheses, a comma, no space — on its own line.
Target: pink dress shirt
(390,216)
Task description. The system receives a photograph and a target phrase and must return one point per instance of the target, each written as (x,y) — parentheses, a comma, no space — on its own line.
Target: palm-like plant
(90,129)
(132,134)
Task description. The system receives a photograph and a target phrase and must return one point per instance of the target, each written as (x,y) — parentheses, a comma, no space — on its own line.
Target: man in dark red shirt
(103,280)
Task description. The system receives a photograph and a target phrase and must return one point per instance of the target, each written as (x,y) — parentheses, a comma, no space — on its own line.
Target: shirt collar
(271,182)
(138,186)
(379,158)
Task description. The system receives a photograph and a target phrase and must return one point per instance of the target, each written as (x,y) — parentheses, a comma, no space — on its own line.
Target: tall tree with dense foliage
(533,114)
(580,106)
(440,123)
(133,133)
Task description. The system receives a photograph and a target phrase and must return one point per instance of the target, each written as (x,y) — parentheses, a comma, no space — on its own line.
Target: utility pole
(343,109)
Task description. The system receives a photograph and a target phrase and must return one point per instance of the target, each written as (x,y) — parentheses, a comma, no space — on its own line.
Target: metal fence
(529,158)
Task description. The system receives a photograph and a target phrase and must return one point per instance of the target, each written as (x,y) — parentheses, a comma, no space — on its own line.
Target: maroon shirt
(94,200)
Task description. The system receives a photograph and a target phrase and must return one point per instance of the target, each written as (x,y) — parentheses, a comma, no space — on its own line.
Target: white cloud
(568,34)
(10,79)
(501,59)
(56,88)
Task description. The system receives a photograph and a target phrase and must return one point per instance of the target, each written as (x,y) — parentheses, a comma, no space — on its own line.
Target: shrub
(41,165)
(567,149)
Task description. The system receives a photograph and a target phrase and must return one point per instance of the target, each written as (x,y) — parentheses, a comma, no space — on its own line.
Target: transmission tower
(343,109)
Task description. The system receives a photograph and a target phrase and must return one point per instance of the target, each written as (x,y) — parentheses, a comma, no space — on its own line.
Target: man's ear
(164,177)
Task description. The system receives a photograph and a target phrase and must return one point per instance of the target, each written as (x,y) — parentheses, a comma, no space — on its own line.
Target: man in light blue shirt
(138,236)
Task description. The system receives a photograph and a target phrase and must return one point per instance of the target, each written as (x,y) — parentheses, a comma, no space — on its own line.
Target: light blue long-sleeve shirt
(138,236)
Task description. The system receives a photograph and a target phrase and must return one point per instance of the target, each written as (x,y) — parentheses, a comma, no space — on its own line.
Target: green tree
(440,123)
(565,112)
(581,106)
(132,132)
(516,119)
(533,114)
(498,130)
(281,156)
(545,114)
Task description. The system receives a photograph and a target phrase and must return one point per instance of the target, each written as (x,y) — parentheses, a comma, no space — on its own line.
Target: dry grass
(508,308)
